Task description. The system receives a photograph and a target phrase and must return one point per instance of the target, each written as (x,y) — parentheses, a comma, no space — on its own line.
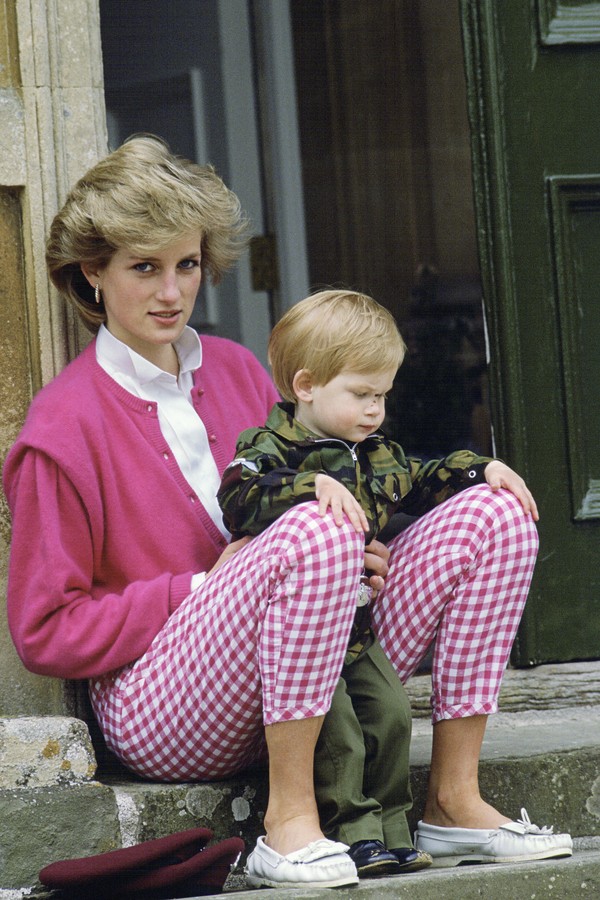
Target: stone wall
(52,128)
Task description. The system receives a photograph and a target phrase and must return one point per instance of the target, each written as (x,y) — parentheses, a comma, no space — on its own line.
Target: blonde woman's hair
(331,331)
(141,197)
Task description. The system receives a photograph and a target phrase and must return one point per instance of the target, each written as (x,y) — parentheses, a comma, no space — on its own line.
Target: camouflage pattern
(275,467)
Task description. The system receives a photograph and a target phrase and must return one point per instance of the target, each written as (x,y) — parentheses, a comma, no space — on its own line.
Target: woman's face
(149,299)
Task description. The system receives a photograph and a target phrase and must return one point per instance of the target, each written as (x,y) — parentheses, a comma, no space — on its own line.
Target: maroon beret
(179,865)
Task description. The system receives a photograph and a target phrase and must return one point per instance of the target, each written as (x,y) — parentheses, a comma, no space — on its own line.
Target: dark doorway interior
(389,209)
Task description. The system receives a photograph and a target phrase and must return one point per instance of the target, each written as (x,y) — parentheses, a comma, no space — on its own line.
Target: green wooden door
(533,74)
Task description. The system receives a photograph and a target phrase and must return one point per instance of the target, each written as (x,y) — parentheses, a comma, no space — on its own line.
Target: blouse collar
(116,356)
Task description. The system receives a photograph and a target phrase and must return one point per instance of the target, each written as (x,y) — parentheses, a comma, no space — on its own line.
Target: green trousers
(362,779)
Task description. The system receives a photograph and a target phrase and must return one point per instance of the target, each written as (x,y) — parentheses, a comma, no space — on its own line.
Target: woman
(112,487)
(201,654)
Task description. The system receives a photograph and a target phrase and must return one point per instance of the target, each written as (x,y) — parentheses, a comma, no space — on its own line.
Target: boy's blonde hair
(141,197)
(332,331)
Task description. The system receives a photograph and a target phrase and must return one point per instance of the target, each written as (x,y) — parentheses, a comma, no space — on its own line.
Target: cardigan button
(212,438)
(150,408)
(165,455)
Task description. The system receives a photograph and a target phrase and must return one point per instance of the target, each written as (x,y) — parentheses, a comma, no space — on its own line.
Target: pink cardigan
(106,531)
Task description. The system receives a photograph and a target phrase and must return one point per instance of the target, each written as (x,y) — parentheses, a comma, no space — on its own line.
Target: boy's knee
(395,718)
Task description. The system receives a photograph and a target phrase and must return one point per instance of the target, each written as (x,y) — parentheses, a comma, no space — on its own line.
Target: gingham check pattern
(261,641)
(264,639)
(460,574)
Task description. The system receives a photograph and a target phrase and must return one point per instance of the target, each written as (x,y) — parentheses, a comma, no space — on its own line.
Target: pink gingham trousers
(461,575)
(263,640)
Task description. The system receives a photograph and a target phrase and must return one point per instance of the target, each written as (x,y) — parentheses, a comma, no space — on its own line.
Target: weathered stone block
(41,825)
(45,751)
(234,807)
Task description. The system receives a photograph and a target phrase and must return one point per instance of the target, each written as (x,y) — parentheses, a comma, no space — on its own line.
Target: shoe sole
(333,883)
(415,866)
(378,870)
(446,861)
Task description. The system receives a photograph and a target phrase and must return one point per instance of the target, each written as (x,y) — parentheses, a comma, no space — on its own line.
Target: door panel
(533,73)
(575,208)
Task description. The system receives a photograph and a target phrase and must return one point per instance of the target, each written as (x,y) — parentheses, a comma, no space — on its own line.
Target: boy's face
(351,406)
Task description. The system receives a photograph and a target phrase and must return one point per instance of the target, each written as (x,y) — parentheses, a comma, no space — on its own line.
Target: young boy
(334,357)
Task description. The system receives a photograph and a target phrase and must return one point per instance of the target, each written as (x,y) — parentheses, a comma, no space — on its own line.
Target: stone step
(545,759)
(542,687)
(561,879)
(548,761)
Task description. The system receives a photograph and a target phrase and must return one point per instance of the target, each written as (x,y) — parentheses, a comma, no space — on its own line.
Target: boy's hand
(498,475)
(331,494)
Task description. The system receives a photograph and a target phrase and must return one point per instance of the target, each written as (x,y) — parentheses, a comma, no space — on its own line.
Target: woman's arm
(62,624)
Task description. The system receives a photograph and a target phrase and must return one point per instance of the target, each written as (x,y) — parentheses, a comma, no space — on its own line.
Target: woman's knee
(314,561)
(502,511)
(304,523)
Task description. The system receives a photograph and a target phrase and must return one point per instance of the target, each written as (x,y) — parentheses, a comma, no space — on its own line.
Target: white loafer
(512,842)
(322,863)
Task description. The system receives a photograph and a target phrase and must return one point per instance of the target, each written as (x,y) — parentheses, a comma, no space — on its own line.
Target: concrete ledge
(558,787)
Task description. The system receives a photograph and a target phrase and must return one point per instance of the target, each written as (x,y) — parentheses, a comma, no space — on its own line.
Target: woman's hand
(229,551)
(376,564)
(331,494)
(498,475)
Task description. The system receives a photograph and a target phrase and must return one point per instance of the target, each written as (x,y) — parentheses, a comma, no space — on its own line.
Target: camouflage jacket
(275,468)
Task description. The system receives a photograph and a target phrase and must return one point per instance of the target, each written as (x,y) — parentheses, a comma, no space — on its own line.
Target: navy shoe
(372,860)
(411,860)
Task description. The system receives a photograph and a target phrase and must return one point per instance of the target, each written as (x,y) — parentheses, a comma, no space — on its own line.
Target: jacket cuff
(474,474)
